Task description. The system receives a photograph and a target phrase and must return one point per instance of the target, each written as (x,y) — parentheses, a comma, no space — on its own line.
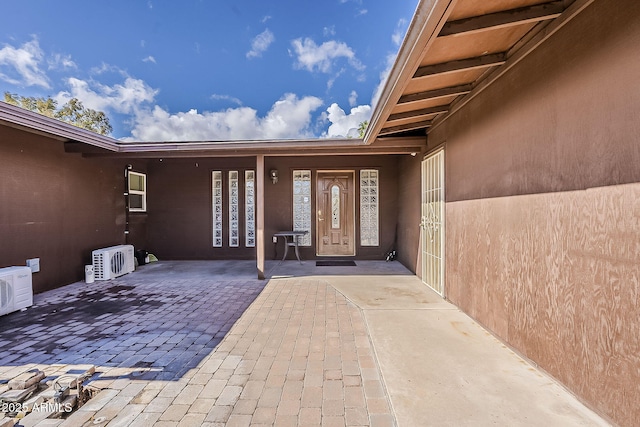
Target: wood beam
(260,242)
(419,113)
(522,15)
(424,28)
(517,53)
(435,94)
(484,61)
(404,128)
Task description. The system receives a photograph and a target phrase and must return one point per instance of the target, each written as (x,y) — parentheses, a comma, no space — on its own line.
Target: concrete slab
(442,369)
(388,292)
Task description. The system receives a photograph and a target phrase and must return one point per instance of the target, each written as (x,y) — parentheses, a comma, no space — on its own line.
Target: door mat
(336,263)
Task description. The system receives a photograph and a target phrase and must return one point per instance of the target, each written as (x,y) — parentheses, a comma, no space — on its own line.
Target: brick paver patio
(299,355)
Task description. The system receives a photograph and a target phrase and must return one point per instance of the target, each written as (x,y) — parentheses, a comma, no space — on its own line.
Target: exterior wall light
(273,174)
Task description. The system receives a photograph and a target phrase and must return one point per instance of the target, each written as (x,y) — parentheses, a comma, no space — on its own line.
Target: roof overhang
(453,50)
(300,147)
(90,144)
(31,122)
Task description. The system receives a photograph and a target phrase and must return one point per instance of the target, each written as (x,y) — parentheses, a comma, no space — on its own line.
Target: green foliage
(73,112)
(362,128)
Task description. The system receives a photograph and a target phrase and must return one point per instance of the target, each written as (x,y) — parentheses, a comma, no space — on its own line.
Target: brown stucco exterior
(278,197)
(179,217)
(64,205)
(56,206)
(542,219)
(409,198)
(542,213)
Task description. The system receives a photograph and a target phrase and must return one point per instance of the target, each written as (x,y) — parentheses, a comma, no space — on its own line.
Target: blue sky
(207,70)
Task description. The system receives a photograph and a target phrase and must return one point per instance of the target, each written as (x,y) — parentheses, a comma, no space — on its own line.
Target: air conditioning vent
(16,289)
(112,262)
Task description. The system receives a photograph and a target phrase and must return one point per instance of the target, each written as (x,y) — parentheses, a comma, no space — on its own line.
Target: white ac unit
(16,289)
(112,262)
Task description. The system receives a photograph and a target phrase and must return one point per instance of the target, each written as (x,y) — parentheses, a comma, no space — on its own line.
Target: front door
(335,219)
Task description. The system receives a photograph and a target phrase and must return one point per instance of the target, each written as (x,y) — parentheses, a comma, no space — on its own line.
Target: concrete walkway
(319,346)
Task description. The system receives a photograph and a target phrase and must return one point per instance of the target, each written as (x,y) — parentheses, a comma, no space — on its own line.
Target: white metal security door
(432,222)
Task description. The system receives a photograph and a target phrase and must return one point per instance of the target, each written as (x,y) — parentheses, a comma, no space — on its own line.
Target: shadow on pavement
(161,322)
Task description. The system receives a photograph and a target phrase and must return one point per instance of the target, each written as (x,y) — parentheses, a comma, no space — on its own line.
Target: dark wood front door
(335,219)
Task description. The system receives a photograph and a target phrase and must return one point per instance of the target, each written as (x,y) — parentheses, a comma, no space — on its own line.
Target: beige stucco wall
(543,210)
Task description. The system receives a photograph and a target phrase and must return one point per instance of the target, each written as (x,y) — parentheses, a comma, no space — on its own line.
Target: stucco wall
(279,215)
(56,206)
(179,215)
(409,197)
(543,218)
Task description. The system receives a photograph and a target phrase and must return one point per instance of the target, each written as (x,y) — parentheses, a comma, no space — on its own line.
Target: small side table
(294,235)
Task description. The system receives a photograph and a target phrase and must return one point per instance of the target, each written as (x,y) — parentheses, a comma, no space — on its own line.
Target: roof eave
(429,18)
(20,118)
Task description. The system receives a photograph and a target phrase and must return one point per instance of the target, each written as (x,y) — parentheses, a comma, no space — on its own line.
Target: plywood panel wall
(557,276)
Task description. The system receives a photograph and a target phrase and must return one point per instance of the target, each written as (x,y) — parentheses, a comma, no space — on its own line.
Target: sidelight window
(369,199)
(302,204)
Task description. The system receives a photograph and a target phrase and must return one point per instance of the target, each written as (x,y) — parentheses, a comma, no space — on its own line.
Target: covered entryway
(335,220)
(431,224)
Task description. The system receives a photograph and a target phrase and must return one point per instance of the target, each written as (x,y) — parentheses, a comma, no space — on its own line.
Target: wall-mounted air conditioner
(16,289)
(112,262)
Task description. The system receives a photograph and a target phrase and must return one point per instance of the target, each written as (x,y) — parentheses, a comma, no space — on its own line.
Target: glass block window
(369,207)
(216,180)
(234,216)
(302,204)
(250,208)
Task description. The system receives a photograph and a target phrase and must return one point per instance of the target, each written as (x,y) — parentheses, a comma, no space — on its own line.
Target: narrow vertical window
(137,192)
(250,209)
(234,217)
(369,207)
(216,181)
(302,205)
(335,207)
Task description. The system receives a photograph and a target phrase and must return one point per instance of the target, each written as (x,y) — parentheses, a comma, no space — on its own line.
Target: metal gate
(432,221)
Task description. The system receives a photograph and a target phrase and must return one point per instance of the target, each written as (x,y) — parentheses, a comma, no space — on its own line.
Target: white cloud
(265,19)
(398,34)
(149,59)
(59,61)
(346,125)
(384,75)
(353,98)
(21,66)
(106,68)
(397,38)
(362,12)
(321,58)
(125,98)
(329,31)
(261,43)
(232,99)
(333,79)
(289,117)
